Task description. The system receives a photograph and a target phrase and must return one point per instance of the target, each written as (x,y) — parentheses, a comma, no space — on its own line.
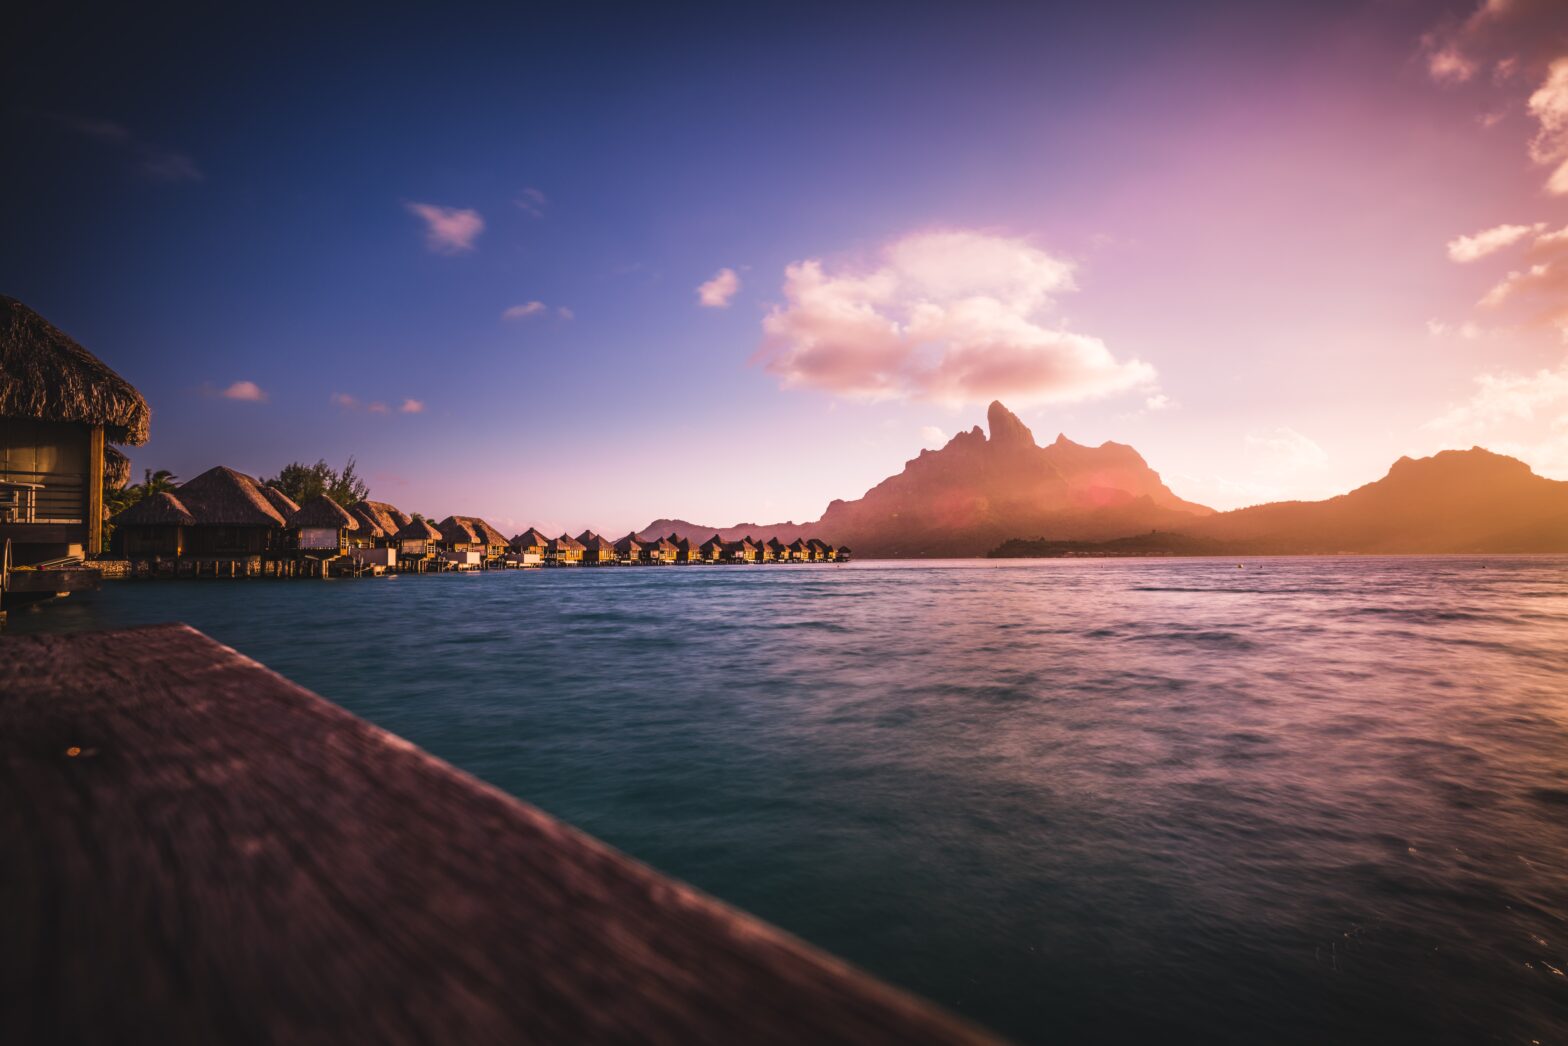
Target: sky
(587,265)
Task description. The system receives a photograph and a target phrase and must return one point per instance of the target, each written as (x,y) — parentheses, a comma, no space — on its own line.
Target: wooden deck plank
(197,850)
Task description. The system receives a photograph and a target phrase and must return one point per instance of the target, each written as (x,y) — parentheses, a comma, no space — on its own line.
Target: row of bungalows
(531,547)
(224,522)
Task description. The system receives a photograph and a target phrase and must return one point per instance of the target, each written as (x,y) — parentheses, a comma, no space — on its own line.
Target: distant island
(1005,496)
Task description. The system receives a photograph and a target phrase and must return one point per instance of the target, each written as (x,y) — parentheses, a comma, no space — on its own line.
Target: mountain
(977,492)
(1456,501)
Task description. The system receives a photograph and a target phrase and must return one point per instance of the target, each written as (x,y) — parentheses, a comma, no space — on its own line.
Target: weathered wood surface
(76,579)
(197,850)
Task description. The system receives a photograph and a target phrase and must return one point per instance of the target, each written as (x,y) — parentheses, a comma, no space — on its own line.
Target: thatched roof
(46,376)
(116,468)
(367,523)
(595,543)
(469,530)
(322,511)
(530,538)
(159,510)
(418,530)
(714,542)
(629,544)
(776,545)
(797,545)
(662,547)
(566,543)
(585,536)
(225,498)
(383,514)
(285,505)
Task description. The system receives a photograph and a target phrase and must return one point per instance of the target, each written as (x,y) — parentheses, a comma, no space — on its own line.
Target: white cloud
(248,391)
(525,310)
(1283,451)
(1489,241)
(1523,415)
(448,230)
(717,292)
(412,406)
(1549,106)
(931,436)
(1468,331)
(956,317)
(1158,401)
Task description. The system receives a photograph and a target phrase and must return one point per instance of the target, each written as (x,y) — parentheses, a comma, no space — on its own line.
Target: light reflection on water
(1306,800)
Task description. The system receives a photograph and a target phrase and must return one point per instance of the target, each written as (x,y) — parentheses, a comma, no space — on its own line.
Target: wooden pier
(197,850)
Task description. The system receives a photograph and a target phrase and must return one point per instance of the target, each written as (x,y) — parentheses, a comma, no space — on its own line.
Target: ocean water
(1267,800)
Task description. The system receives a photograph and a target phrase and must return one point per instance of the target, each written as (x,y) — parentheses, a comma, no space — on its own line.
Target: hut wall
(224,542)
(318,539)
(140,542)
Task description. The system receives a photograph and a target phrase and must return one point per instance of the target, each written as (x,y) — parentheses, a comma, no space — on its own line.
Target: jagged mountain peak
(1006,427)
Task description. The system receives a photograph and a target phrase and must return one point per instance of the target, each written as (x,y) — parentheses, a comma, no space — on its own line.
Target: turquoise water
(1312,800)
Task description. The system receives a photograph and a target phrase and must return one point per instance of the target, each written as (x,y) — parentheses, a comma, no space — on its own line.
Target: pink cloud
(449,230)
(956,317)
(248,391)
(1489,241)
(525,310)
(378,408)
(412,406)
(344,400)
(717,292)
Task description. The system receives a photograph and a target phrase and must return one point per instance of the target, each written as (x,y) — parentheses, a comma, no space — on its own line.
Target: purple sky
(586,266)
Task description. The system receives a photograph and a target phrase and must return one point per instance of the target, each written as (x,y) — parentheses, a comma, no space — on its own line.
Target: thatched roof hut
(386,516)
(470,530)
(223,497)
(629,545)
(46,376)
(418,529)
(530,538)
(160,510)
(368,527)
(321,511)
(566,543)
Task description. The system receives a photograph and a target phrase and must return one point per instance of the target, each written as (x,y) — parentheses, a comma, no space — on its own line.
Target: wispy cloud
(531,202)
(717,292)
(448,230)
(151,161)
(1519,40)
(247,391)
(1489,241)
(525,310)
(931,436)
(1522,414)
(954,316)
(347,401)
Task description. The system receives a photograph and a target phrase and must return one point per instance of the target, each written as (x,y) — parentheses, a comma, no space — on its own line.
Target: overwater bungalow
(798,552)
(370,547)
(818,550)
(843,554)
(687,551)
(598,551)
(564,551)
(60,408)
(742,551)
(629,551)
(324,527)
(468,542)
(661,551)
(154,528)
(776,550)
(236,521)
(388,518)
(529,548)
(418,541)
(713,550)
